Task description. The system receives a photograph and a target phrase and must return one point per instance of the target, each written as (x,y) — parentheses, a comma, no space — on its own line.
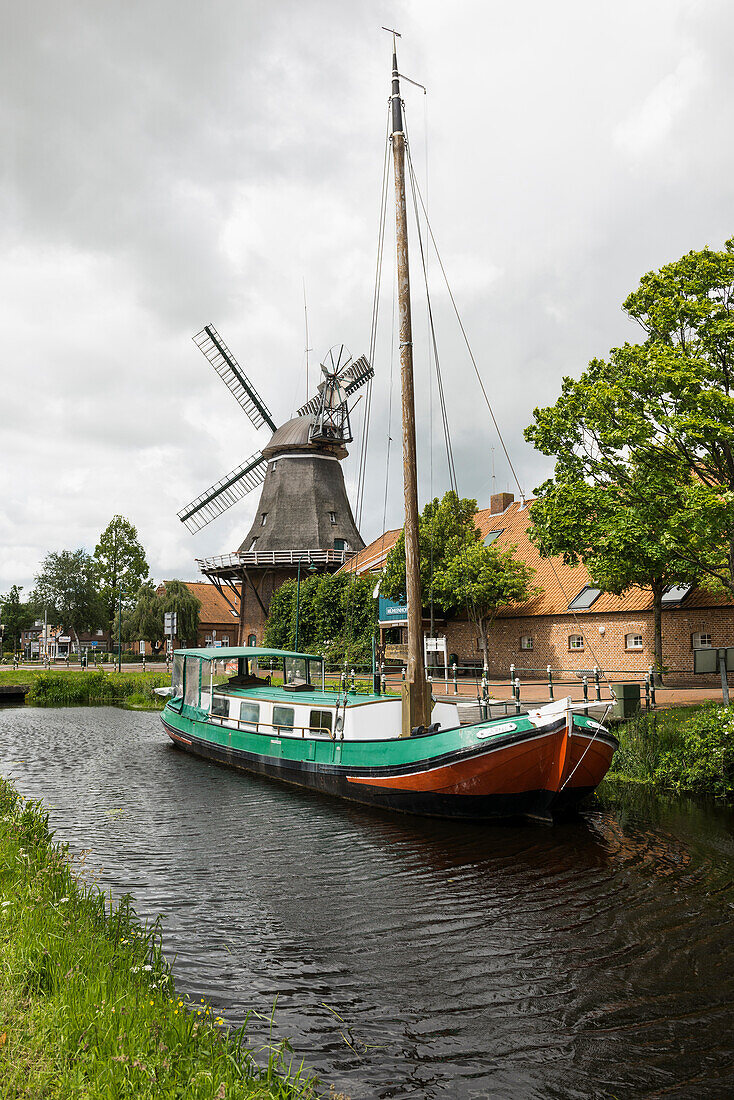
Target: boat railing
(285,731)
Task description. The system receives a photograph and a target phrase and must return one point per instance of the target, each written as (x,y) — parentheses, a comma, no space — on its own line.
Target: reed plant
(88,1005)
(682,749)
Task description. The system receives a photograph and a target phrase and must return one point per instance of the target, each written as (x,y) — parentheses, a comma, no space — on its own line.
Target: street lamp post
(119,628)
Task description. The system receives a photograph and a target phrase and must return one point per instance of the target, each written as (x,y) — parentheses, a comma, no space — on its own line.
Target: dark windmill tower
(303,518)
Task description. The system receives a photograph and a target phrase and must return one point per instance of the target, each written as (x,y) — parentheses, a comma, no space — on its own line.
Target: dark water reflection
(413,958)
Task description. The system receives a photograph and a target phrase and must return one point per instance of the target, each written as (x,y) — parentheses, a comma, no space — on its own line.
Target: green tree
(67,587)
(120,565)
(337,617)
(179,598)
(443,525)
(664,407)
(146,618)
(478,580)
(622,534)
(15,615)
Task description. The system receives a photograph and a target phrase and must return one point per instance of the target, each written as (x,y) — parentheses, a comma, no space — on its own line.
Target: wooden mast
(416,692)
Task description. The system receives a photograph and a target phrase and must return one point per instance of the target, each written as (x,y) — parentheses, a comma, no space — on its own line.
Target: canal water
(412,958)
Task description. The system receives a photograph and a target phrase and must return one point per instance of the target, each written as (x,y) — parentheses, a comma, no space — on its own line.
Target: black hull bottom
(540,806)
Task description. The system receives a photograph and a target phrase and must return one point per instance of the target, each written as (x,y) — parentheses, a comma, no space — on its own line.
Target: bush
(685,749)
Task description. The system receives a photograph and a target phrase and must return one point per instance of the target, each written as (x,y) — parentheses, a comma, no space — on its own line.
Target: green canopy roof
(211,653)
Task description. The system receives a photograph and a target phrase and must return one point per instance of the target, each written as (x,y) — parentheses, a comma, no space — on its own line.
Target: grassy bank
(687,749)
(91,688)
(88,1007)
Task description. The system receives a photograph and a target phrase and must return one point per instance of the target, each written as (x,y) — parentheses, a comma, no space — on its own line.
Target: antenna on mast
(307,348)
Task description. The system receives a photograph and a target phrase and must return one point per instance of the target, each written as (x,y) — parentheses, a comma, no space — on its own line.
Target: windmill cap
(294,436)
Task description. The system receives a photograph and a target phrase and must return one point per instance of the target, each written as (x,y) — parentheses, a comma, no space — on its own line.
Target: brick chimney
(498,502)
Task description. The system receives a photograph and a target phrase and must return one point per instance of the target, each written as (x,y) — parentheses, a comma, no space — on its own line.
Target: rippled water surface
(412,958)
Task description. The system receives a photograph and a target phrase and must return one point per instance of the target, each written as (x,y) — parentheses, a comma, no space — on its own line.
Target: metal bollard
(484,685)
(351,677)
(652,692)
(647,691)
(550,684)
(517,695)
(586,689)
(456,682)
(403,672)
(597,681)
(383,682)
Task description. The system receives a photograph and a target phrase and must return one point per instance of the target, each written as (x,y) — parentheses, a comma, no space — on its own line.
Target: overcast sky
(165,165)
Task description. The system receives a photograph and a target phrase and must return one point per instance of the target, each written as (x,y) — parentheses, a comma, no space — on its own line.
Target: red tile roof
(214,608)
(560,583)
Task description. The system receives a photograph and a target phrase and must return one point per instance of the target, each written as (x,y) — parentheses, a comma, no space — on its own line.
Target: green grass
(685,749)
(88,1007)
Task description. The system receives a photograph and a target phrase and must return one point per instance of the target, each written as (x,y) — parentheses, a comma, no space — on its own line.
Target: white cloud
(169,167)
(651,122)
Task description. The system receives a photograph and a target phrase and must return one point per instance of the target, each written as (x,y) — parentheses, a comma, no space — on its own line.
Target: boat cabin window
(296,670)
(220,706)
(177,681)
(250,713)
(283,718)
(191,681)
(320,722)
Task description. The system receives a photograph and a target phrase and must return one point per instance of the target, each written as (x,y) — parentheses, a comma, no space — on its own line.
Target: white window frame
(575,648)
(524,640)
(697,641)
(631,643)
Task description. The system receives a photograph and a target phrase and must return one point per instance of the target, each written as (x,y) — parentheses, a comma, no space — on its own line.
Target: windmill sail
(350,379)
(211,344)
(356,375)
(226,492)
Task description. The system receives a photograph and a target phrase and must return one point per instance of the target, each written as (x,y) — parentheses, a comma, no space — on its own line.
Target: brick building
(570,624)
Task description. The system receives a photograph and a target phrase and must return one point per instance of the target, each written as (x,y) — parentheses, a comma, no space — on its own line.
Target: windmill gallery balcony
(230,566)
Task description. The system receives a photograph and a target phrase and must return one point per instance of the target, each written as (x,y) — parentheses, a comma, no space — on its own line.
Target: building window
(526,642)
(575,641)
(491,536)
(332,518)
(225,640)
(633,641)
(585,598)
(340,544)
(253,543)
(263,519)
(208,640)
(251,640)
(701,641)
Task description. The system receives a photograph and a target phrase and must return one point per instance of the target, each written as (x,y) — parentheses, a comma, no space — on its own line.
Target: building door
(252,639)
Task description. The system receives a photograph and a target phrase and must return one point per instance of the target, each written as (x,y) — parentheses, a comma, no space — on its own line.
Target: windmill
(303,504)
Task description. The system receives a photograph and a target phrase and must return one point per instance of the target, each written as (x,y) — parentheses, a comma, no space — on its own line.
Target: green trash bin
(628,700)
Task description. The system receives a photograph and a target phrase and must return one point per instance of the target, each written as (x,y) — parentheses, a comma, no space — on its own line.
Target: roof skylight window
(491,536)
(676,593)
(585,598)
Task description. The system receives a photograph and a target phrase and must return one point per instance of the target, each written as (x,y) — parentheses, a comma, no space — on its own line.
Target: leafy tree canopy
(16,615)
(662,409)
(179,598)
(120,564)
(443,525)
(337,617)
(66,586)
(457,569)
(146,619)
(478,580)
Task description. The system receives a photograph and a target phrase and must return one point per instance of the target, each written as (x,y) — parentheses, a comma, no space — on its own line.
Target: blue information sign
(391,612)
